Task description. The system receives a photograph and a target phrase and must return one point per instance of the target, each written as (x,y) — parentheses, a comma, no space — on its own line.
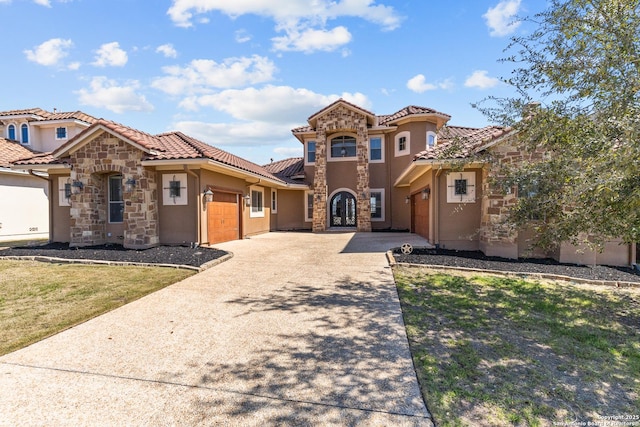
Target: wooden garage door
(420,209)
(223,215)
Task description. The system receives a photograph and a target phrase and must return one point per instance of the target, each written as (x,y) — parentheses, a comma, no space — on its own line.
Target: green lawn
(503,351)
(40,299)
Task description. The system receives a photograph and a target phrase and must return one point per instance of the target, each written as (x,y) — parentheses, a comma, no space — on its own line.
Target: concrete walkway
(295,329)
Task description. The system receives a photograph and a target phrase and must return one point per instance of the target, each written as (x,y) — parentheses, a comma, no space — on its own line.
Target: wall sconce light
(407,200)
(131,184)
(426,193)
(208,195)
(77,186)
(247,200)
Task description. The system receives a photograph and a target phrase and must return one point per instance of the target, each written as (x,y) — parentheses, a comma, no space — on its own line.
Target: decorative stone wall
(91,165)
(341,119)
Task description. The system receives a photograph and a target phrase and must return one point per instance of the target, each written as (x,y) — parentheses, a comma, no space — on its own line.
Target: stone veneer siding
(91,165)
(341,119)
(495,203)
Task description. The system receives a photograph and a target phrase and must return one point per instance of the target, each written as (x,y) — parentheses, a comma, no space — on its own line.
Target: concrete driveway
(295,329)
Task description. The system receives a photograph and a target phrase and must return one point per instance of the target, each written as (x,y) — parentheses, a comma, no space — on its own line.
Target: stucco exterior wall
(459,223)
(178,223)
(290,214)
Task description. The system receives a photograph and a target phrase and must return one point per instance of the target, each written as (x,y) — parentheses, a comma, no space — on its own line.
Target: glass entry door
(343,210)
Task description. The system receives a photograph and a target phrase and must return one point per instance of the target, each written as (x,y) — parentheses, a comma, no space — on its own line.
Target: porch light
(208,195)
(131,184)
(407,200)
(247,200)
(77,186)
(425,193)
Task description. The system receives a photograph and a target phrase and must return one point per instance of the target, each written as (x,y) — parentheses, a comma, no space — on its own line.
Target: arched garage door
(223,218)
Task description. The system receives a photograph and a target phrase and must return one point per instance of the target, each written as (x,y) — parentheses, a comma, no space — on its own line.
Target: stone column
(362,186)
(320,183)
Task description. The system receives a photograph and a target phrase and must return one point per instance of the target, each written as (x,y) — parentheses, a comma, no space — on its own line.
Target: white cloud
(419,84)
(311,40)
(261,116)
(481,80)
(304,19)
(50,53)
(501,18)
(167,50)
(108,94)
(277,104)
(110,54)
(242,36)
(203,75)
(45,3)
(289,151)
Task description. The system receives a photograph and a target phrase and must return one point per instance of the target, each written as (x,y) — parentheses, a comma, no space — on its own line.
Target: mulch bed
(177,255)
(477,260)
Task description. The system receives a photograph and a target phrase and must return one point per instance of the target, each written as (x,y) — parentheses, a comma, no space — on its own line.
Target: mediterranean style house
(24,211)
(359,171)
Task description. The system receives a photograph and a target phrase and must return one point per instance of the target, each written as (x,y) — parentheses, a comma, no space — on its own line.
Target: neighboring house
(24,206)
(359,171)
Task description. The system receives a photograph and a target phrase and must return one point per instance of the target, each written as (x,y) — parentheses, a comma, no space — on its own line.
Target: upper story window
(24,133)
(61,133)
(402,144)
(343,146)
(311,153)
(11,132)
(432,139)
(376,149)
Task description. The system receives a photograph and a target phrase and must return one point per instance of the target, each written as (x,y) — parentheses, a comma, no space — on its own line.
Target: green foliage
(581,66)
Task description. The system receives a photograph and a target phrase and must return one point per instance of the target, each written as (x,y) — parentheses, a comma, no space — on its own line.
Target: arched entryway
(342,210)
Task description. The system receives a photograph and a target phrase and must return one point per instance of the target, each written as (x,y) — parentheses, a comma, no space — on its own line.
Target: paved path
(295,329)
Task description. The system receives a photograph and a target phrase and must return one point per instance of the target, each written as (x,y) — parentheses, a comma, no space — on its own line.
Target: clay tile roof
(287,169)
(176,145)
(11,151)
(26,112)
(408,111)
(77,115)
(43,115)
(460,142)
(302,129)
(40,159)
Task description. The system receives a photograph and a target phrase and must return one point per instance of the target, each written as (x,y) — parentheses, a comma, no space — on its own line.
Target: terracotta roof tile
(11,151)
(456,142)
(44,115)
(287,169)
(408,111)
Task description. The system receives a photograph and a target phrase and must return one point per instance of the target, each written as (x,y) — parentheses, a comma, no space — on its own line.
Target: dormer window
(343,146)
(61,133)
(11,132)
(24,133)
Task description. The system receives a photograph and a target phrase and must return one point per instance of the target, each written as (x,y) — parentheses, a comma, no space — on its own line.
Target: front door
(343,210)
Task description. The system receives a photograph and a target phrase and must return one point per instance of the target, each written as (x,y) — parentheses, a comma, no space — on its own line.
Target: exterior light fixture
(247,200)
(407,200)
(77,186)
(208,195)
(426,193)
(131,184)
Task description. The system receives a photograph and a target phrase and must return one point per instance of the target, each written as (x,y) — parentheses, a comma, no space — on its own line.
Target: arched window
(11,132)
(24,131)
(432,139)
(343,146)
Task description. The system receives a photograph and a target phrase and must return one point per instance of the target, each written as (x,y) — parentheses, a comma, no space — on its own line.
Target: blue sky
(240,74)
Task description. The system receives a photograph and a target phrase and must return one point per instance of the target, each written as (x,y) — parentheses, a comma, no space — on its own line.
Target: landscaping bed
(176,255)
(477,260)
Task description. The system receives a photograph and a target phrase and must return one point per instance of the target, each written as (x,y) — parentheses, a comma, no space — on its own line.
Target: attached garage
(223,217)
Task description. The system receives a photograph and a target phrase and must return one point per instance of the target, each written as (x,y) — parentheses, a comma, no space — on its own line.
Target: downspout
(50,207)
(436,208)
(199,203)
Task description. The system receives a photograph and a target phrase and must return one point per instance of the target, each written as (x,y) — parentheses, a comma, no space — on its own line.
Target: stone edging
(41,258)
(617,284)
